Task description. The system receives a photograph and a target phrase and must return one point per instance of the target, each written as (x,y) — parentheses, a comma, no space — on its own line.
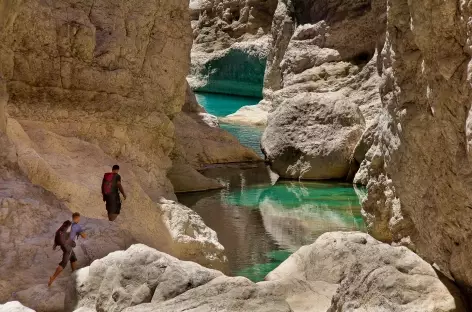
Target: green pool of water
(222,105)
(260,223)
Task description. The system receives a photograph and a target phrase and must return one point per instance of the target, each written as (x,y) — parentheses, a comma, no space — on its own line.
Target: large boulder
(141,274)
(328,49)
(418,169)
(341,271)
(312,136)
(371,276)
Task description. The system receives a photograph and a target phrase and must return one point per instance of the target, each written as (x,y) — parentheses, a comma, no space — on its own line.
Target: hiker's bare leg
(73,266)
(112,216)
(56,274)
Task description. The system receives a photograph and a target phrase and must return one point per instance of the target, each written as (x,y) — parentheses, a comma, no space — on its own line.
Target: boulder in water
(312,136)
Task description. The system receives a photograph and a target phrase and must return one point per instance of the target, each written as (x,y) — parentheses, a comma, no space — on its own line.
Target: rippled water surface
(261,223)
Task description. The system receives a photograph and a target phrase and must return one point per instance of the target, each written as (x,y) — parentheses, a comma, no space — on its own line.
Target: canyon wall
(85,85)
(231,45)
(419,174)
(321,86)
(352,84)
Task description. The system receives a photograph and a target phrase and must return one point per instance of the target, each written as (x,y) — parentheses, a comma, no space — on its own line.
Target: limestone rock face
(92,84)
(230,45)
(199,141)
(237,70)
(468,132)
(341,271)
(29,217)
(331,55)
(312,136)
(419,189)
(84,86)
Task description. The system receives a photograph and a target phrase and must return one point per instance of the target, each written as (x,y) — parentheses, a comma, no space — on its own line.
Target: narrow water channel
(261,221)
(222,105)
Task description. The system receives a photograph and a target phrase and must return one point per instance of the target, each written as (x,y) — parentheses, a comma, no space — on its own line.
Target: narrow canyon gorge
(305,155)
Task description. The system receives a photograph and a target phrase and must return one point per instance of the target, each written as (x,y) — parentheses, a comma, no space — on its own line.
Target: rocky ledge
(341,271)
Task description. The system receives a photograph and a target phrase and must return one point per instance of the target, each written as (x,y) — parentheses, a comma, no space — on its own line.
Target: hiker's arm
(103,191)
(120,187)
(82,232)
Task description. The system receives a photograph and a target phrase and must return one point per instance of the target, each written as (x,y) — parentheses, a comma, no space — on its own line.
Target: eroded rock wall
(85,85)
(231,44)
(199,141)
(419,182)
(327,50)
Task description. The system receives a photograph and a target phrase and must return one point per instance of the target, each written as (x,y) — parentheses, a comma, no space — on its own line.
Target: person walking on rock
(66,240)
(111,186)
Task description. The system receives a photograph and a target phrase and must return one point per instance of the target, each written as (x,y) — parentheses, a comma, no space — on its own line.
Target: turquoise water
(247,136)
(222,105)
(261,223)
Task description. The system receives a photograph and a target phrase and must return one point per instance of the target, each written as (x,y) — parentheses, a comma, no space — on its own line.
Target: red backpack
(107,183)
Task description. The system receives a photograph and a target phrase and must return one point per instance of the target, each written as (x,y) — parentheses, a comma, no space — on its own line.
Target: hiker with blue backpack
(111,188)
(66,240)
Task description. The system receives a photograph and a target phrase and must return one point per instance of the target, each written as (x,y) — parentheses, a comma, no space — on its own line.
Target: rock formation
(312,136)
(329,53)
(198,142)
(419,179)
(339,272)
(85,85)
(230,45)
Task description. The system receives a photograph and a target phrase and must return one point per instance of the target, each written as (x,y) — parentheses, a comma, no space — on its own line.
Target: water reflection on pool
(260,223)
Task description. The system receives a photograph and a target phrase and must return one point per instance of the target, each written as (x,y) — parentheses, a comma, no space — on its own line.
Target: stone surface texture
(327,50)
(85,85)
(312,136)
(231,44)
(418,171)
(341,271)
(252,115)
(199,141)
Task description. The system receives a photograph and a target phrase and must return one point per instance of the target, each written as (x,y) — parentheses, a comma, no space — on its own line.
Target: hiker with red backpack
(111,186)
(66,240)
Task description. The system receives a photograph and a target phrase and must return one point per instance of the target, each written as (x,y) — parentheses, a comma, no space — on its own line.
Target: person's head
(76,217)
(115,168)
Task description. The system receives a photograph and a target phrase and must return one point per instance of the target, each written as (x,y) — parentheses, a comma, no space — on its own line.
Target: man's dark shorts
(68,254)
(113,204)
